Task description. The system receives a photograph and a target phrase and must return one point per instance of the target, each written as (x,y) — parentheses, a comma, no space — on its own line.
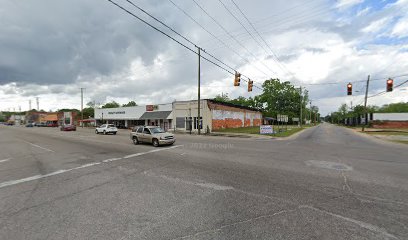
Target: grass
(255,130)
(387,133)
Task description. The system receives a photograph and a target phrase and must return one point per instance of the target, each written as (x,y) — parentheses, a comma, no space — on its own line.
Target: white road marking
(179,180)
(36,177)
(361,224)
(151,151)
(111,160)
(5,160)
(35,145)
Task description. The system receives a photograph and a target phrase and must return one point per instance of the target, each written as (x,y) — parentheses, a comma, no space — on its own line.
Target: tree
(394,108)
(112,104)
(130,104)
(222,98)
(89,112)
(281,98)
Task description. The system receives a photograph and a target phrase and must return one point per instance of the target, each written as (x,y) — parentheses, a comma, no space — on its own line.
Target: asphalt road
(327,183)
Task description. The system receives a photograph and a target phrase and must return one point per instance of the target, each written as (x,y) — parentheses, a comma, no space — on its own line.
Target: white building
(158,115)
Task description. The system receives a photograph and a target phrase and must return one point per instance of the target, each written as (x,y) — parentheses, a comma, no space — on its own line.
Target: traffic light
(349,89)
(237,80)
(250,84)
(390,82)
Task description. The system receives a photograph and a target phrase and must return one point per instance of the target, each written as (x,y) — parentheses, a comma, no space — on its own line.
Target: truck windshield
(157,130)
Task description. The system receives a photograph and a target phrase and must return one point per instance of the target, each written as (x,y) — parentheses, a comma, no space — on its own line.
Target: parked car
(106,129)
(41,124)
(29,125)
(151,134)
(51,124)
(68,127)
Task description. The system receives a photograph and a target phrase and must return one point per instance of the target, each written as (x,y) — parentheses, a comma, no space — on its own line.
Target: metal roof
(155,115)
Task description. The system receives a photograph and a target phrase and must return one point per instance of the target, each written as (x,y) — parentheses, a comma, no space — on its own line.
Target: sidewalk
(393,135)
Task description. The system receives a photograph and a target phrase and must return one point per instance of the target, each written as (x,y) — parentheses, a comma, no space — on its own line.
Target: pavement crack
(361,224)
(237,223)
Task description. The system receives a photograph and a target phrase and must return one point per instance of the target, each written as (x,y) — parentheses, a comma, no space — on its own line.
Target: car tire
(104,132)
(155,142)
(96,131)
(135,140)
(114,133)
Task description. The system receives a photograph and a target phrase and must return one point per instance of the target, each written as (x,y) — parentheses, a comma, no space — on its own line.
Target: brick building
(214,115)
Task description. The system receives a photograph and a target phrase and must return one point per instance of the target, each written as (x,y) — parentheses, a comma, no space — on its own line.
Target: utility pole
(301,106)
(38,103)
(82,107)
(365,104)
(310,112)
(199,80)
(29,105)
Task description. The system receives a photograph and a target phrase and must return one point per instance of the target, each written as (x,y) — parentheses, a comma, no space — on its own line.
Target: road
(327,183)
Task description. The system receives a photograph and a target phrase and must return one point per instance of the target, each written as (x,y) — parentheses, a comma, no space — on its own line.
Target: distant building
(380,120)
(389,120)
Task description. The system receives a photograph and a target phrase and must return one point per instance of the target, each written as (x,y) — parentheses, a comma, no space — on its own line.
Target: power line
(384,92)
(356,81)
(217,38)
(174,31)
(172,38)
(230,35)
(273,53)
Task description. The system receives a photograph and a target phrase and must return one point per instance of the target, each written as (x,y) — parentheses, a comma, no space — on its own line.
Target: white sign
(282,118)
(295,119)
(265,129)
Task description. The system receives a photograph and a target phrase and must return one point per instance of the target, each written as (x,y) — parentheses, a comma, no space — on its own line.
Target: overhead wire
(172,38)
(213,35)
(230,35)
(277,60)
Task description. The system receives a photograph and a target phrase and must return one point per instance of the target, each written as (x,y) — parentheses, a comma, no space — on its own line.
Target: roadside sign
(265,129)
(295,119)
(282,118)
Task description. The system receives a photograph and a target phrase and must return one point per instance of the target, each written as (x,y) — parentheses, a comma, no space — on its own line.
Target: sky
(51,49)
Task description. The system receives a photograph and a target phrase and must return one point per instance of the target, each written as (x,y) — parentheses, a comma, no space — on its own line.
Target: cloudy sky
(50,49)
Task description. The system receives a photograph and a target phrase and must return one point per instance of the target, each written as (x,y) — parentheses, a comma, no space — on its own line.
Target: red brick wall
(230,122)
(390,124)
(257,122)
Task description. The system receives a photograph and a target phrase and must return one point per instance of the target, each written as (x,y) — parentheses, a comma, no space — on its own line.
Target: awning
(155,115)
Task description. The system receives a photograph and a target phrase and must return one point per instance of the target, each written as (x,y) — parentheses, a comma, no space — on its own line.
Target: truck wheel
(155,142)
(104,132)
(96,131)
(114,133)
(135,140)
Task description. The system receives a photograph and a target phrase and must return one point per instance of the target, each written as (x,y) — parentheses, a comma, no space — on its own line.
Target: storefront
(214,115)
(127,117)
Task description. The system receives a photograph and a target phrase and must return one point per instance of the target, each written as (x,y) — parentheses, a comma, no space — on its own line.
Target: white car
(106,128)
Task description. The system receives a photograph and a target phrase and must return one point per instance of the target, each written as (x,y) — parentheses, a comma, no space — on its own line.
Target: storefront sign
(265,129)
(150,108)
(121,112)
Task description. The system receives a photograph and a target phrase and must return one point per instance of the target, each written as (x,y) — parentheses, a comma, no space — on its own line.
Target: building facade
(182,116)
(127,117)
(214,115)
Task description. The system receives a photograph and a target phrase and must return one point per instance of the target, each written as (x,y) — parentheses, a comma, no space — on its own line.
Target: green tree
(394,108)
(222,98)
(281,98)
(130,104)
(89,112)
(112,104)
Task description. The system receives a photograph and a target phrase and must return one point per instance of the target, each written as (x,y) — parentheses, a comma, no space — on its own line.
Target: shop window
(180,122)
(196,123)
